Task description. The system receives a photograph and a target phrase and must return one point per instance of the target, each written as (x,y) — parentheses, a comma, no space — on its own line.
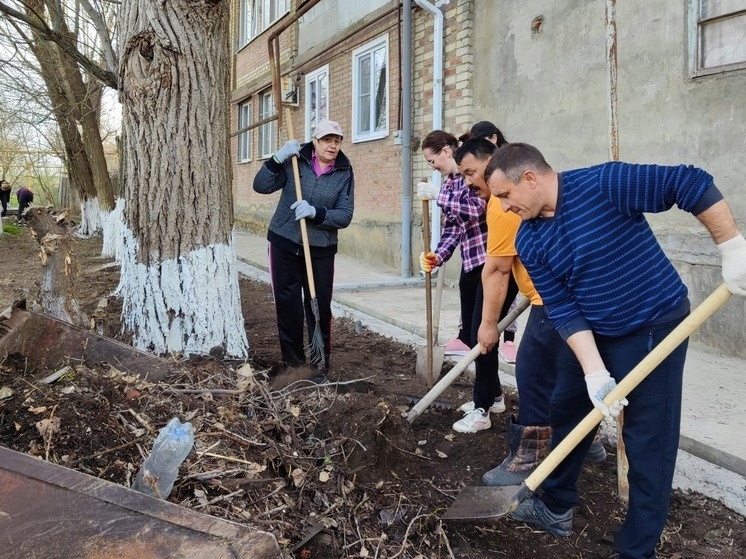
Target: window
(254,16)
(718,36)
(370,106)
(266,131)
(317,99)
(244,139)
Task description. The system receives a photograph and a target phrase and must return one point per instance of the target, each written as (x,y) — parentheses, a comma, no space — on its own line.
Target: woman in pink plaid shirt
(465,226)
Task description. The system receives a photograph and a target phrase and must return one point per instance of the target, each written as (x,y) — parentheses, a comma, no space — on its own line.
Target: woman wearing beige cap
(328,187)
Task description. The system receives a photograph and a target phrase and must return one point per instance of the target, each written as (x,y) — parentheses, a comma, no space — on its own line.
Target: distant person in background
(25,199)
(485,129)
(5,187)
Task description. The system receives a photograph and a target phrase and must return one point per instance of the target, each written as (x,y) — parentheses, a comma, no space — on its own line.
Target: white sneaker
(497,407)
(473,421)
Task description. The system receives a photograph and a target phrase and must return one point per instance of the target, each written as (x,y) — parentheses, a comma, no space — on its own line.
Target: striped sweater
(596,263)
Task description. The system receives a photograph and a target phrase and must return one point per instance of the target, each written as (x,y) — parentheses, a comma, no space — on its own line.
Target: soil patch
(333,471)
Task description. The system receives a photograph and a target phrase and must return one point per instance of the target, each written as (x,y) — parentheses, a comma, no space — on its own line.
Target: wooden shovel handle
(704,311)
(428,292)
(299,197)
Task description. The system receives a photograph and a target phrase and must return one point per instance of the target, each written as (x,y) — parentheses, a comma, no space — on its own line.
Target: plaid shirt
(465,223)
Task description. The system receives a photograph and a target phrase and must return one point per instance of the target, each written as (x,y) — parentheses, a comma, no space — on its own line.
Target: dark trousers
(535,368)
(4,201)
(651,434)
(293,301)
(487,382)
(24,200)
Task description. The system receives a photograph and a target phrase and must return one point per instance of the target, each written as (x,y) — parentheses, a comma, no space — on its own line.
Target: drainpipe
(406,147)
(437,104)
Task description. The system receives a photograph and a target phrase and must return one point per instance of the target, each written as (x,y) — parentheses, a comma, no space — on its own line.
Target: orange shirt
(502,228)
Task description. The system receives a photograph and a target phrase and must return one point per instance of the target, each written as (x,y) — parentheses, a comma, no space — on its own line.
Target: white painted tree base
(91,218)
(186,306)
(113,224)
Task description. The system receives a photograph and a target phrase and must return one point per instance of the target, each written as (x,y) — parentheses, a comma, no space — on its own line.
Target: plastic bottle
(161,467)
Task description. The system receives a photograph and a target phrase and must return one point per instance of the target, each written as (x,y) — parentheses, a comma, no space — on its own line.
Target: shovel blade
(474,503)
(421,365)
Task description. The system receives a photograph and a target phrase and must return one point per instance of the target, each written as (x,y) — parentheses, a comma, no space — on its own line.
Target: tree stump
(57,294)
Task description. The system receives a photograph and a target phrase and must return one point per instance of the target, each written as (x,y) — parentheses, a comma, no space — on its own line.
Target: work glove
(303,210)
(291,148)
(428,262)
(733,252)
(599,384)
(427,190)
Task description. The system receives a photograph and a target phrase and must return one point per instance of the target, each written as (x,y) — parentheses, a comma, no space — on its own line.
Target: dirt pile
(333,471)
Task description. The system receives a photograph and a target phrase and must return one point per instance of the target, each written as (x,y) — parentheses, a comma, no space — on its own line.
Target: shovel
(437,351)
(461,366)
(431,360)
(493,502)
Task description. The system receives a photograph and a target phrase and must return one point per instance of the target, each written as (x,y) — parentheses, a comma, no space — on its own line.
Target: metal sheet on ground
(47,510)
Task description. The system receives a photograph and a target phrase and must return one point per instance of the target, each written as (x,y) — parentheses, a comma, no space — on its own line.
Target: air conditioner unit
(289,91)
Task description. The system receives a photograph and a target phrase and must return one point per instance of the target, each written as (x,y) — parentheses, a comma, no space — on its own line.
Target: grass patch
(11,228)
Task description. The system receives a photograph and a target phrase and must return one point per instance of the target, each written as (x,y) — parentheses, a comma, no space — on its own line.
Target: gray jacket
(332,195)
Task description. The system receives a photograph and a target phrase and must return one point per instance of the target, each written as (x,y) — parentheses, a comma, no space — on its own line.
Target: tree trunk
(179,280)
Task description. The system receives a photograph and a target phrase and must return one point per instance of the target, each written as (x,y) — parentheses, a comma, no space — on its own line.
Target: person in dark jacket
(25,199)
(328,188)
(5,187)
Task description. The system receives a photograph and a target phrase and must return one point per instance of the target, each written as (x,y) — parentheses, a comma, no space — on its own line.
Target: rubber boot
(597,451)
(528,447)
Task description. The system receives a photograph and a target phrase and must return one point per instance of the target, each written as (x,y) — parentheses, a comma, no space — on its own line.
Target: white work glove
(428,261)
(427,191)
(291,148)
(733,252)
(303,210)
(599,384)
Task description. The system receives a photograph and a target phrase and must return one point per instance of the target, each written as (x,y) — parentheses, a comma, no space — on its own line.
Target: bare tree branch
(104,76)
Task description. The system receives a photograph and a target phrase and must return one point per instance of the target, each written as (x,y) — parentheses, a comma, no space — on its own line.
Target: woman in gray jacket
(328,186)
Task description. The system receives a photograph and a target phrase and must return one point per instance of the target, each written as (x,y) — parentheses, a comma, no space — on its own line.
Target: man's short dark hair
(481,148)
(514,159)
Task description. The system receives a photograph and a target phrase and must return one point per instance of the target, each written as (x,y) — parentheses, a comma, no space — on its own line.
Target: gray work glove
(303,210)
(599,385)
(291,148)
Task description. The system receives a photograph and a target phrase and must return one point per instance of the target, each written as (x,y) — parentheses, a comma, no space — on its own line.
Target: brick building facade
(375,234)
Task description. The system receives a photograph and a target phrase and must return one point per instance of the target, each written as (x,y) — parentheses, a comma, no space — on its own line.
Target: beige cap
(326,128)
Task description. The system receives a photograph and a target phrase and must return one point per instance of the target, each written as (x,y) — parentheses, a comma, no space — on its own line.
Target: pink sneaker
(508,351)
(456,347)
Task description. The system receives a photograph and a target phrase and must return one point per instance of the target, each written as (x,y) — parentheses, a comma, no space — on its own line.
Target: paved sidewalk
(714,403)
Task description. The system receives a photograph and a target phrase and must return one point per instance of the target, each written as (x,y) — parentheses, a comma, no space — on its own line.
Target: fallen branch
(105,452)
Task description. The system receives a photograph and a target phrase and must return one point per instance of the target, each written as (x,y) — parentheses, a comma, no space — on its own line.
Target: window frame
(368,49)
(695,36)
(249,26)
(314,77)
(244,139)
(267,129)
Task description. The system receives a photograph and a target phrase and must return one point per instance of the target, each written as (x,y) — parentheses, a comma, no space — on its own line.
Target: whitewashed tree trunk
(92,218)
(179,280)
(113,242)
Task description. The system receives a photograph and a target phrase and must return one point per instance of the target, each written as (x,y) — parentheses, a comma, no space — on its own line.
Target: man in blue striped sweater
(613,295)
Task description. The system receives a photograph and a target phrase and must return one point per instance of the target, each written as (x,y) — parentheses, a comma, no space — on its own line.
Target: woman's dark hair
(438,139)
(485,129)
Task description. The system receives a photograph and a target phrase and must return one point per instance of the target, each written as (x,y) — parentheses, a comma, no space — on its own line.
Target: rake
(315,349)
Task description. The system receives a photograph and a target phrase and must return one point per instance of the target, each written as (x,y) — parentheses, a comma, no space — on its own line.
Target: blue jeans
(651,434)
(536,368)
